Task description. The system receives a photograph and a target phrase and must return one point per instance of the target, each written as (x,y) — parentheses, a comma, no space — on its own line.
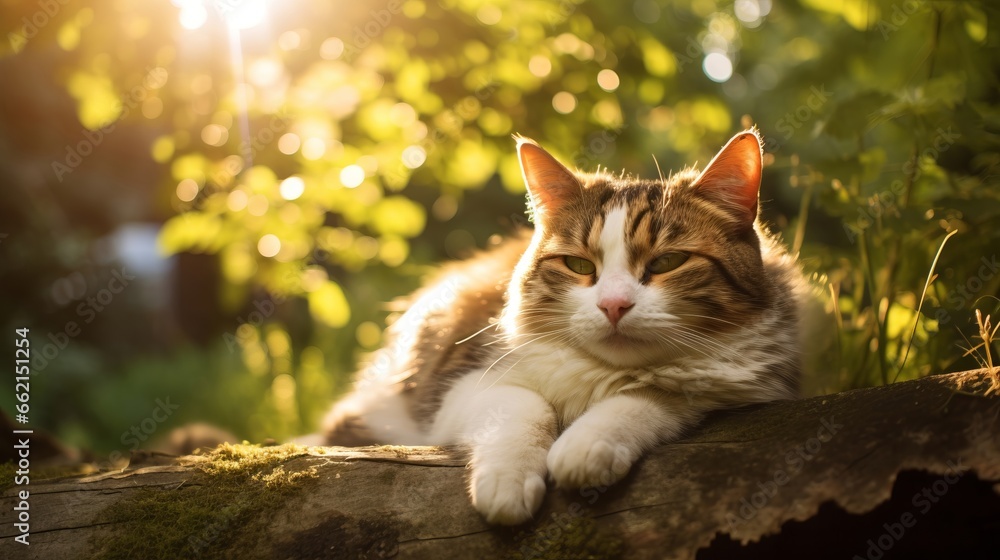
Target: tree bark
(838,473)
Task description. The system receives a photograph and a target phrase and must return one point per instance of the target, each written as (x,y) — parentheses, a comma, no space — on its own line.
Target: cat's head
(639,271)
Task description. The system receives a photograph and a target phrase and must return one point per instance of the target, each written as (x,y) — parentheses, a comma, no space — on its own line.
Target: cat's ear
(549,183)
(732,178)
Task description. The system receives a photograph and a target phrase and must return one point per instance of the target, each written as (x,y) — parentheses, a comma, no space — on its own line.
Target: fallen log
(907,470)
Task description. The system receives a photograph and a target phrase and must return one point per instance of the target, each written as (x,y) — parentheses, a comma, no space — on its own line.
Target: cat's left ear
(732,178)
(549,183)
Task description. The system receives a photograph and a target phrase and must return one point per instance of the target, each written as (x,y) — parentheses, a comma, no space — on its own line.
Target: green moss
(221,512)
(8,469)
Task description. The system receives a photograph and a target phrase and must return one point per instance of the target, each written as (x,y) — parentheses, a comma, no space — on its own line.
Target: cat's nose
(615,308)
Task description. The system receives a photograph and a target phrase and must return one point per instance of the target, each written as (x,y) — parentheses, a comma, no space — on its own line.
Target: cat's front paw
(579,459)
(506,495)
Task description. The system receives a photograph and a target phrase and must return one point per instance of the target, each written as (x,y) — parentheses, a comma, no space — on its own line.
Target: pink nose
(615,308)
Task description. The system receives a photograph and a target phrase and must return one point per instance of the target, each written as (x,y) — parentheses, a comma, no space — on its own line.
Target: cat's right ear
(549,183)
(732,178)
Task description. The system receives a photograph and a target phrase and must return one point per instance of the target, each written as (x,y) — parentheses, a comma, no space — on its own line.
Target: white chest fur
(567,378)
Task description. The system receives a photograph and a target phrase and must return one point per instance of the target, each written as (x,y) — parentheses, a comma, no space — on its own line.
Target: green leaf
(328,304)
(398,215)
(658,59)
(191,231)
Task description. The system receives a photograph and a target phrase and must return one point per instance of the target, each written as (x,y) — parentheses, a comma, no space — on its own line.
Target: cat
(633,308)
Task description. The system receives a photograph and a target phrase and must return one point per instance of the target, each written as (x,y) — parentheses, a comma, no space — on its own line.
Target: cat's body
(635,307)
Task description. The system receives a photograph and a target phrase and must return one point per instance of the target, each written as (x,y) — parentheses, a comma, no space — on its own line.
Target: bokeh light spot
(258,205)
(313,278)
(292,188)
(163,149)
(269,245)
(283,387)
(540,66)
(313,148)
(214,135)
(368,334)
(608,79)
(237,200)
(414,157)
(265,71)
(403,114)
(352,176)
(718,67)
(290,40)
(289,143)
(245,14)
(445,208)
(564,102)
(489,15)
(749,12)
(331,49)
(193,15)
(187,190)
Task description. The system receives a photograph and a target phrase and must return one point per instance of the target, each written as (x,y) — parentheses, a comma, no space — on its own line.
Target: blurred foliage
(329,156)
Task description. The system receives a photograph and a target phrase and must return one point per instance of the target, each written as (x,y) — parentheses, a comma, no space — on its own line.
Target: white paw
(507,496)
(579,459)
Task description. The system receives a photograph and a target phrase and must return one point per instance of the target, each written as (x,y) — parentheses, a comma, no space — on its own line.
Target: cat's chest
(566,378)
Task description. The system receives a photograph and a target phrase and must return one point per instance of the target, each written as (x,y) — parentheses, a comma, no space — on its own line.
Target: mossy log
(906,470)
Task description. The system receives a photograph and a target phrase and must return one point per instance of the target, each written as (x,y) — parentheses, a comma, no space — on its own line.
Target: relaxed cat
(633,308)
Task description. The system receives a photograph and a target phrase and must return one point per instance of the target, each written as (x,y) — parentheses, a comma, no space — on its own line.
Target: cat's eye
(578,265)
(667,262)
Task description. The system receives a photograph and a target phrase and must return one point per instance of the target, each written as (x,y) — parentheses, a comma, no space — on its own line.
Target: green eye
(579,266)
(667,262)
